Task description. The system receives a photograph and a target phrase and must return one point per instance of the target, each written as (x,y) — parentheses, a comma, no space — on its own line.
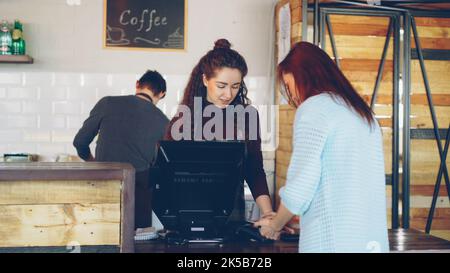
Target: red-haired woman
(215,84)
(336,179)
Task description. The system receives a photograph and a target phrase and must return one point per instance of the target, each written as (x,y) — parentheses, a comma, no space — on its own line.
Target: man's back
(128,129)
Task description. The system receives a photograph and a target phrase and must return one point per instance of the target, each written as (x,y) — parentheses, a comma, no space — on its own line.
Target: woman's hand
(267,229)
(271,215)
(271,224)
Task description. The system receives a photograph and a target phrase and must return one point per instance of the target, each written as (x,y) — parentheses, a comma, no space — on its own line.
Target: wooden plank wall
(359,42)
(286,112)
(434,34)
(360,49)
(58,213)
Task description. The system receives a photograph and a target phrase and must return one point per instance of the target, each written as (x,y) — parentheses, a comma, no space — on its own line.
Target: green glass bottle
(18,43)
(5,39)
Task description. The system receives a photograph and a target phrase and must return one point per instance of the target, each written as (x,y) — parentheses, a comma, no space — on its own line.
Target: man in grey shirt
(128,129)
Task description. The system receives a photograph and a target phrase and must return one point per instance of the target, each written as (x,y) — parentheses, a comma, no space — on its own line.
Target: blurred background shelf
(24,59)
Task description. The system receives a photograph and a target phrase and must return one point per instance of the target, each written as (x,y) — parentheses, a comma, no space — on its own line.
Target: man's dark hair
(153,81)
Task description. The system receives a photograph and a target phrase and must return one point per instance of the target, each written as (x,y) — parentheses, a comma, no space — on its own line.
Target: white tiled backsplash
(40,112)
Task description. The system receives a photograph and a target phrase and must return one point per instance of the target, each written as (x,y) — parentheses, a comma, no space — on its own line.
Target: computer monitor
(199,186)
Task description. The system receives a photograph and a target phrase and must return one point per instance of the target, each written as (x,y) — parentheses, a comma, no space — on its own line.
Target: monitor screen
(198,185)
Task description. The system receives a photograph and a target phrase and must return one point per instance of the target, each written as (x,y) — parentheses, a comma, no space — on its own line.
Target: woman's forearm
(265,204)
(282,217)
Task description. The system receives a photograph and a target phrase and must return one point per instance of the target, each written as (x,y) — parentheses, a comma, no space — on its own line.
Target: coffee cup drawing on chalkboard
(175,40)
(116,36)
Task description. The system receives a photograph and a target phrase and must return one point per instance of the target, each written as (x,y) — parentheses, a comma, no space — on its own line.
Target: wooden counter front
(400,240)
(66,204)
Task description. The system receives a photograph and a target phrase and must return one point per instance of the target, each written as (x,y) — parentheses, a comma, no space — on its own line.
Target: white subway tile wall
(36,107)
(50,150)
(49,93)
(11,78)
(30,93)
(81,94)
(2,93)
(38,79)
(86,107)
(40,112)
(63,136)
(67,107)
(67,79)
(10,107)
(19,147)
(52,121)
(35,136)
(19,121)
(10,136)
(74,122)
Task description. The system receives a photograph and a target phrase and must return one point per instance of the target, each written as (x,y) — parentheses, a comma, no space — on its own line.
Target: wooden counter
(400,240)
(50,207)
(66,204)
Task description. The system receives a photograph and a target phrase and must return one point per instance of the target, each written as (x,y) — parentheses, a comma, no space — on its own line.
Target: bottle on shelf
(5,39)
(18,43)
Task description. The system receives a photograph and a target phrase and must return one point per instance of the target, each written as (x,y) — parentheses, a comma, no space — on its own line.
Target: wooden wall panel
(286,113)
(438,99)
(360,49)
(434,34)
(433,22)
(66,204)
(360,41)
(54,192)
(421,117)
(59,225)
(424,161)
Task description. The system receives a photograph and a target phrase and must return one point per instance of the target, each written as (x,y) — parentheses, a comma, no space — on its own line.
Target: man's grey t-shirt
(128,130)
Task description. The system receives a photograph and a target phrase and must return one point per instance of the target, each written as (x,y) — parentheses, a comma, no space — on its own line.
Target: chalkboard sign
(145,24)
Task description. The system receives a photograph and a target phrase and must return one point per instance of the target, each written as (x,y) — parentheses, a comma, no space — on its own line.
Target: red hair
(314,73)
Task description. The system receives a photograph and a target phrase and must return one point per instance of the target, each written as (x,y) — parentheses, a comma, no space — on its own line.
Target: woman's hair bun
(222,43)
